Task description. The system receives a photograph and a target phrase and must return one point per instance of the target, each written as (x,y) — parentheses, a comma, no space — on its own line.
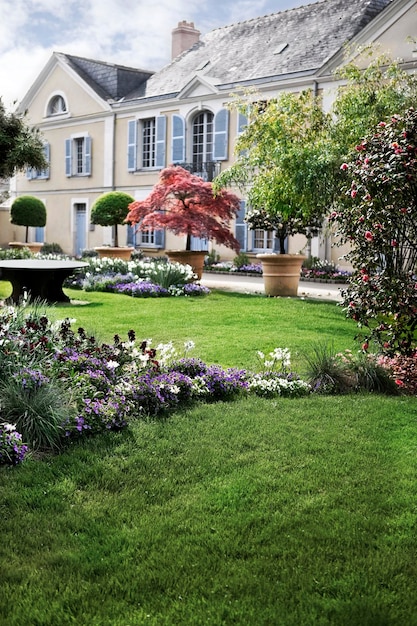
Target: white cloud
(130,32)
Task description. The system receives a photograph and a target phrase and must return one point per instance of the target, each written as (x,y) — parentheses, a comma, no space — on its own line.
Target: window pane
(148,143)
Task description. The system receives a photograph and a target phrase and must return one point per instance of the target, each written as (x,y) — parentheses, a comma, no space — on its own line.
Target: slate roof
(248,51)
(110,81)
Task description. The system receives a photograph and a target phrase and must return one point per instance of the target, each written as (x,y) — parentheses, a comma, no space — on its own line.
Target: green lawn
(255,512)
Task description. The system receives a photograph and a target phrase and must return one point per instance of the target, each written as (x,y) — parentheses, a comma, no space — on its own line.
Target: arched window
(57,105)
(202,139)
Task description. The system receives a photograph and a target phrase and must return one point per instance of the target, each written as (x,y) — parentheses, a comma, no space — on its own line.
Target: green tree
(111,209)
(374,88)
(20,145)
(28,211)
(283,164)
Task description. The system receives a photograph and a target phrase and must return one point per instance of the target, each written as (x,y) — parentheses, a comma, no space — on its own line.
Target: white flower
(111,365)
(9,428)
(189,345)
(261,355)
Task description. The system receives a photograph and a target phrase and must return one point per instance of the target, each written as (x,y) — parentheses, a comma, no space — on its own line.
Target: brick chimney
(183,37)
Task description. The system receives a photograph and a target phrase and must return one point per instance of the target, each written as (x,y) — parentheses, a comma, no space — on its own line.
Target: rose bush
(378,218)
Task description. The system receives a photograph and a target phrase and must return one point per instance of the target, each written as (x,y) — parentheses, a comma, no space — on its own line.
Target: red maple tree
(185,204)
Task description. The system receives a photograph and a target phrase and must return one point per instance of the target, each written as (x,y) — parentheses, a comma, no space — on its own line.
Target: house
(108,127)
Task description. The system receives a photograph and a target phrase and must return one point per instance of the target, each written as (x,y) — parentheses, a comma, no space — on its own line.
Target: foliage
(15,253)
(20,146)
(283,164)
(374,87)
(378,218)
(28,211)
(111,209)
(240,260)
(186,205)
(37,406)
(52,248)
(331,372)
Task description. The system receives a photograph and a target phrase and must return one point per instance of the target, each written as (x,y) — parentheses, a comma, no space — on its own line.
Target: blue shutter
(160,238)
(131,145)
(87,155)
(30,173)
(221,126)
(178,139)
(131,235)
(47,154)
(68,157)
(161,125)
(241,227)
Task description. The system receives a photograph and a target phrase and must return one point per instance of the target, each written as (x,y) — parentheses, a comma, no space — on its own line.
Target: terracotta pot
(114,252)
(189,257)
(281,273)
(34,247)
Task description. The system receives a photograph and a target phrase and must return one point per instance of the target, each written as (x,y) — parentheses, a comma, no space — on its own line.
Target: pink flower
(394,243)
(344,166)
(365,278)
(369,236)
(365,346)
(382,124)
(399,382)
(353,193)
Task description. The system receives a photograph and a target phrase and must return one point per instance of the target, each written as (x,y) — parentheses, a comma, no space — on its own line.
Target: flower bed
(57,384)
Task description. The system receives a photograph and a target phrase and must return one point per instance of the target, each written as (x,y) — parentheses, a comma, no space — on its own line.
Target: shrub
(378,219)
(38,407)
(28,211)
(111,209)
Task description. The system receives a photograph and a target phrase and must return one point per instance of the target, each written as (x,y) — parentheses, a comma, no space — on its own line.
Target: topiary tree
(378,218)
(111,209)
(28,211)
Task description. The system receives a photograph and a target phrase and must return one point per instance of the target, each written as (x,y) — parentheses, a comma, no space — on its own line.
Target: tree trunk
(116,238)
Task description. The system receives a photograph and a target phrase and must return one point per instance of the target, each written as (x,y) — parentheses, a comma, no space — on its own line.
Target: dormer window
(57,106)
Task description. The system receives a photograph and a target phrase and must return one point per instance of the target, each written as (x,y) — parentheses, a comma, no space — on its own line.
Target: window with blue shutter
(161,124)
(78,156)
(159,238)
(221,128)
(178,139)
(241,227)
(32,172)
(131,145)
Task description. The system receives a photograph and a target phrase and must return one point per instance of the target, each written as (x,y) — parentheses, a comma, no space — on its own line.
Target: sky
(135,33)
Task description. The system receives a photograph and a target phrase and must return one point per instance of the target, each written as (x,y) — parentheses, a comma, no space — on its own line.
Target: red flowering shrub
(378,218)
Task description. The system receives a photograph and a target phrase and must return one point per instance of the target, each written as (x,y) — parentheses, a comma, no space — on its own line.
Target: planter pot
(189,257)
(281,273)
(33,247)
(114,252)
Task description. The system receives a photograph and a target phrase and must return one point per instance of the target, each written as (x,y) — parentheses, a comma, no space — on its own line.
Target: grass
(256,512)
(227,328)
